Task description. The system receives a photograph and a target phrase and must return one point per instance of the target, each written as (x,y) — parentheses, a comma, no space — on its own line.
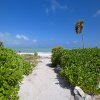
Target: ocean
(32,50)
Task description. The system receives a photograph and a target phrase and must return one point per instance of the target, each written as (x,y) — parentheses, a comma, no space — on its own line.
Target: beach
(43,83)
(41,54)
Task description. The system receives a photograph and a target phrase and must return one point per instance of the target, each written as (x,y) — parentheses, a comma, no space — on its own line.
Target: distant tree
(79,28)
(35,54)
(1,44)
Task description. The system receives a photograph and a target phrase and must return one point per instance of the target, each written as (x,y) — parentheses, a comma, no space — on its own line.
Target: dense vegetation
(81,67)
(12,69)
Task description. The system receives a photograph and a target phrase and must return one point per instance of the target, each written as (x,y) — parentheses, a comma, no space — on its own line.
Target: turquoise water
(32,50)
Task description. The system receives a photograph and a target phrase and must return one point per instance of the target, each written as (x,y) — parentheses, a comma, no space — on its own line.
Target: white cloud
(22,37)
(18,36)
(54,6)
(34,41)
(97,13)
(4,34)
(15,40)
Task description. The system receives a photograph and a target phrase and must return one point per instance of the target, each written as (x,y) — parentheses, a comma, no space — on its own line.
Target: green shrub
(35,54)
(12,68)
(82,68)
(56,54)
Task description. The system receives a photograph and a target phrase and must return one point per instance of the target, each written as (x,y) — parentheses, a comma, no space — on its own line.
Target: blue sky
(48,23)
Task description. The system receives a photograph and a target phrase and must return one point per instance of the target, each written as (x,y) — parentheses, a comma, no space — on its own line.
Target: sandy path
(43,84)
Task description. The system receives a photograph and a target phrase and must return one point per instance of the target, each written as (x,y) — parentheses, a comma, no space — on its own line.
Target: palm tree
(79,28)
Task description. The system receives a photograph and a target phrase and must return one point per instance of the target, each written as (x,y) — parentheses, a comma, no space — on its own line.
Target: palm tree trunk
(83,40)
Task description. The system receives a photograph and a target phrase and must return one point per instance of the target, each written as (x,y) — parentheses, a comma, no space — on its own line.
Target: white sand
(43,83)
(42,54)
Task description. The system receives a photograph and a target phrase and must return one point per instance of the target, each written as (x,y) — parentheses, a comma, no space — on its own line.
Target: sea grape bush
(81,67)
(56,54)
(12,68)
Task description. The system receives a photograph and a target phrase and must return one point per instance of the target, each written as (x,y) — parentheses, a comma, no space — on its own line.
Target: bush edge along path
(12,69)
(81,67)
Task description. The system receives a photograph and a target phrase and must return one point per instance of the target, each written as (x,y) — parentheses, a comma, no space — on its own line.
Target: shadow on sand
(62,81)
(65,84)
(49,65)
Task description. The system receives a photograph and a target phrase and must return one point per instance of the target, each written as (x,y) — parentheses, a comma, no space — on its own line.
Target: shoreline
(43,54)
